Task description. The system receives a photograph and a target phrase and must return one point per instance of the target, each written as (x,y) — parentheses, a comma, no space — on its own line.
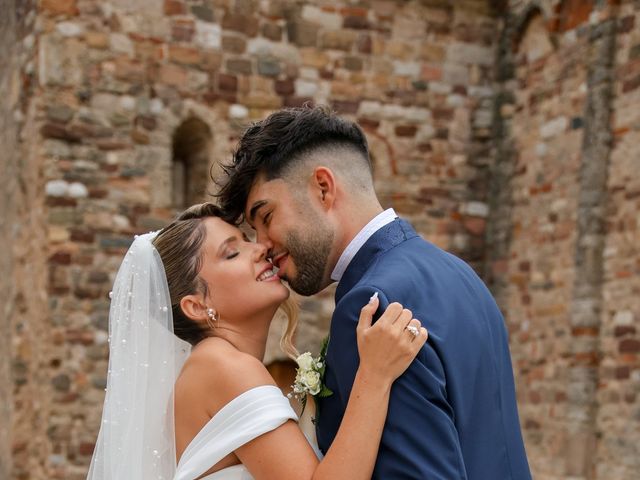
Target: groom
(302,179)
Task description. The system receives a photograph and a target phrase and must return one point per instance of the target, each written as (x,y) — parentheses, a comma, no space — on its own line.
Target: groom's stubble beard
(310,253)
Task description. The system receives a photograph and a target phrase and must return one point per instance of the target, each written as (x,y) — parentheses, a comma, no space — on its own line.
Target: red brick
(59,7)
(431,73)
(629,345)
(174,7)
(60,258)
(406,130)
(240,23)
(284,87)
(621,331)
(183,30)
(228,83)
(184,55)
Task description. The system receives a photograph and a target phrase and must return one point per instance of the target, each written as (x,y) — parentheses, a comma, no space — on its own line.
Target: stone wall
(23,408)
(563,211)
(122,82)
(618,395)
(8,136)
(505,137)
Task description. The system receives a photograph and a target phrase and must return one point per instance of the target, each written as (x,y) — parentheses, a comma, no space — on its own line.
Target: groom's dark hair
(271,147)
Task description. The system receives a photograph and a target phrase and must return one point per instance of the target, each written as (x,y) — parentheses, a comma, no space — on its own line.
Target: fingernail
(373,297)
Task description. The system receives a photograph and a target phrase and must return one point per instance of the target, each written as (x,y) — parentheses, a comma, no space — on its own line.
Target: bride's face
(240,280)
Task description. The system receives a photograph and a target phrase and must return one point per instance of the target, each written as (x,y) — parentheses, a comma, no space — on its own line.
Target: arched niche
(532,39)
(191,145)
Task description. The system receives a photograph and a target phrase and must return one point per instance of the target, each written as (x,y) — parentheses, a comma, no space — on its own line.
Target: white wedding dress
(246,417)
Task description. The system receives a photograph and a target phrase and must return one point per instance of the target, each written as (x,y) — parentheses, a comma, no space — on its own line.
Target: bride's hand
(387,348)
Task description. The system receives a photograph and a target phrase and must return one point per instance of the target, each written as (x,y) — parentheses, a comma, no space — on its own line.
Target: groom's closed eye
(254,210)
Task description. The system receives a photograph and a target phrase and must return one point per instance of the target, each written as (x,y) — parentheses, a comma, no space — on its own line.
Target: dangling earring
(212,318)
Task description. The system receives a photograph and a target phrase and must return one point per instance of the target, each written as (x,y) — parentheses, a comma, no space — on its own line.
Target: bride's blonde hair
(291,310)
(180,247)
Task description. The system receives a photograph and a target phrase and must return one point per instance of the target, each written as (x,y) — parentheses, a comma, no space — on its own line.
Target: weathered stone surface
(488,140)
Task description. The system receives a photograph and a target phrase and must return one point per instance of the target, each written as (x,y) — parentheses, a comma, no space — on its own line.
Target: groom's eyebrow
(254,209)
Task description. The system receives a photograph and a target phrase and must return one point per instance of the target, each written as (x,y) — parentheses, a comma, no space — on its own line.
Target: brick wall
(563,212)
(23,317)
(506,138)
(118,79)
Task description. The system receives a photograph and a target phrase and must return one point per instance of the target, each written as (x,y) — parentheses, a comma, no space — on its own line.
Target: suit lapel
(384,239)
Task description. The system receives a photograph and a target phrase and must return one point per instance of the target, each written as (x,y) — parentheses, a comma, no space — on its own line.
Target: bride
(187,394)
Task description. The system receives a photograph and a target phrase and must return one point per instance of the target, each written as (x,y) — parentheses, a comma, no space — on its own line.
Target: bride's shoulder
(217,366)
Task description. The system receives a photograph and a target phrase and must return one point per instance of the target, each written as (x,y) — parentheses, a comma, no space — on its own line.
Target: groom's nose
(264,240)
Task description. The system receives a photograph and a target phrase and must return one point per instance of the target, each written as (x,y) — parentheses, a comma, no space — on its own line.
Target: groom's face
(296,233)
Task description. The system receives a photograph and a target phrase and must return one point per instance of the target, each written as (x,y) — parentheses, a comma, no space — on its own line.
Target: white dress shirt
(379,221)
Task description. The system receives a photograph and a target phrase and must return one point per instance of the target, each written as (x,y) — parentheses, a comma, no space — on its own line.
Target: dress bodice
(249,415)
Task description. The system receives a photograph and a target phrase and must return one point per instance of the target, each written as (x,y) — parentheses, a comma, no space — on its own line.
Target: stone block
(98,40)
(345,107)
(269,66)
(356,22)
(174,7)
(364,44)
(60,113)
(315,58)
(338,39)
(184,55)
(467,54)
(284,87)
(408,27)
(431,52)
(232,43)
(272,31)
(323,18)
(203,12)
(456,74)
(121,43)
(406,69)
(305,88)
(183,30)
(59,62)
(262,101)
(554,127)
(173,75)
(431,73)
(208,35)
(240,23)
(302,33)
(228,83)
(60,7)
(240,66)
(405,130)
(385,9)
(70,29)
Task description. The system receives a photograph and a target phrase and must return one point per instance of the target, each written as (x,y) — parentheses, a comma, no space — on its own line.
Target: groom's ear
(193,308)
(323,187)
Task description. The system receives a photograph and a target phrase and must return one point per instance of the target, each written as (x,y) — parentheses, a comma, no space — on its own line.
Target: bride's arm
(386,350)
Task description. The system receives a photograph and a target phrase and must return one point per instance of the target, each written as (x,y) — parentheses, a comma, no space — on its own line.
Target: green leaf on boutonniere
(325,392)
(324,347)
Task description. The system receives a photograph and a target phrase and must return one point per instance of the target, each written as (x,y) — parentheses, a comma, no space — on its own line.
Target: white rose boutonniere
(309,376)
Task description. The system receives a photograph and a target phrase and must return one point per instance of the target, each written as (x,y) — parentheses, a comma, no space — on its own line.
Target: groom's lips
(280,261)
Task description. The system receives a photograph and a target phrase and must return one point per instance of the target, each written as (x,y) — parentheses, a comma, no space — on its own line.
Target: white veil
(137,433)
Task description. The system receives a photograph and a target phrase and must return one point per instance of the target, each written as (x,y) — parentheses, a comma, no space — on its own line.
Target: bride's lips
(268,267)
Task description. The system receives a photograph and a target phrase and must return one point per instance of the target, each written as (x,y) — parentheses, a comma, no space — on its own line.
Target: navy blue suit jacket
(452,414)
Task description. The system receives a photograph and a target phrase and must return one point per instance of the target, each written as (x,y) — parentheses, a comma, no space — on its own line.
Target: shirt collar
(359,240)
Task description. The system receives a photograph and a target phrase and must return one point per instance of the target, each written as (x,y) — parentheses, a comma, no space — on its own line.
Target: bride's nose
(259,252)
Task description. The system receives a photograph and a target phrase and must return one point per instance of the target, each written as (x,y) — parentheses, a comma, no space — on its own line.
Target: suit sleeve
(419,439)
